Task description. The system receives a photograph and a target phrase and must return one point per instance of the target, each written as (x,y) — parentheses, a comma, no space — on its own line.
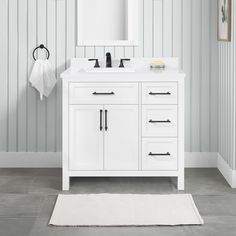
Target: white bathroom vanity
(123,122)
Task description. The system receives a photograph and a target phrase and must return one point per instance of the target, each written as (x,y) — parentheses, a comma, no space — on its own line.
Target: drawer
(159,93)
(159,154)
(103,93)
(159,120)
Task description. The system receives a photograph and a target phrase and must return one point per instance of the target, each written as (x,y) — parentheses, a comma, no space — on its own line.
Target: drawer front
(159,93)
(103,93)
(159,121)
(159,154)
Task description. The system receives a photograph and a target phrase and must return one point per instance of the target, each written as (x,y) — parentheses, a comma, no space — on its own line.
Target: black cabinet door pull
(167,93)
(159,121)
(106,128)
(111,93)
(100,120)
(159,154)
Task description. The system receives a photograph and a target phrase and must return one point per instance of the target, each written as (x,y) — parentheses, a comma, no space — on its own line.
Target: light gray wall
(227,96)
(183,28)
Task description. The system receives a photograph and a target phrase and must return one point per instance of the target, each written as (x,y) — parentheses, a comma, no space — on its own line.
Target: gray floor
(27,198)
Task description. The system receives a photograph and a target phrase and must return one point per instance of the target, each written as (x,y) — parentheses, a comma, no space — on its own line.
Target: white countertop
(139,75)
(142,74)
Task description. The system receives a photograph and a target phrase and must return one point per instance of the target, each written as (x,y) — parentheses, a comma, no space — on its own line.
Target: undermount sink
(109,70)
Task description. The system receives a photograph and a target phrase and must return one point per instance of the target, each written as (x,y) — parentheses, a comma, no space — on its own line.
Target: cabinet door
(85,137)
(121,137)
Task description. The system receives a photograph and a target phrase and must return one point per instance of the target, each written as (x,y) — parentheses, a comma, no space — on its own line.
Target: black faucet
(108,59)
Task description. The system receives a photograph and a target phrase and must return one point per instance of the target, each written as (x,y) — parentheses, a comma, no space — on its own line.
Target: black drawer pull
(167,93)
(111,93)
(159,121)
(100,120)
(159,154)
(106,128)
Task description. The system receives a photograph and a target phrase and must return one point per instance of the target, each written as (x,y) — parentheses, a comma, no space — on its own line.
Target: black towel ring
(41,46)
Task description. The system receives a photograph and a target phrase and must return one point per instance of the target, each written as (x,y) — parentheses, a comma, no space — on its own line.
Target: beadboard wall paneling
(227,96)
(183,28)
(4,75)
(214,75)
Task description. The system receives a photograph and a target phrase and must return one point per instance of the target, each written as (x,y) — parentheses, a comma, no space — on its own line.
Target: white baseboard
(30,159)
(226,171)
(53,159)
(200,159)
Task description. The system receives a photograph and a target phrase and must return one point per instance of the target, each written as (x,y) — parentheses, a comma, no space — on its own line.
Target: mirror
(107,22)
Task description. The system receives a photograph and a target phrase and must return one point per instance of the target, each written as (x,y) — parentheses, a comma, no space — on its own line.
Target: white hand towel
(42,77)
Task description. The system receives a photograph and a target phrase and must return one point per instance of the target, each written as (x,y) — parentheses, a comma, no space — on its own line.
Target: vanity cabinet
(103,137)
(122,125)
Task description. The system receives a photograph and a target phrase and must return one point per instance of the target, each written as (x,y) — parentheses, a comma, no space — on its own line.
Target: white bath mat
(125,210)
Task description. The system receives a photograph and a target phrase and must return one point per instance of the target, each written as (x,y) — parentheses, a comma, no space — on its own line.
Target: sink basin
(109,70)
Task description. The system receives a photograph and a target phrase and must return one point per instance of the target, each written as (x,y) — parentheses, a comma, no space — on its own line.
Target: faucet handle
(96,63)
(121,62)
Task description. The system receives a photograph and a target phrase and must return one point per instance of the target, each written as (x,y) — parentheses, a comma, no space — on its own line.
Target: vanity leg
(180,182)
(66,183)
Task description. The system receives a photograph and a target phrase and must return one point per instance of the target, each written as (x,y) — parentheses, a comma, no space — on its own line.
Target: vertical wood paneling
(148,28)
(187,68)
(223,100)
(225,118)
(166,27)
(89,52)
(157,28)
(221,134)
(41,105)
(228,107)
(13,75)
(177,29)
(70,28)
(99,52)
(196,75)
(119,52)
(234,86)
(219,107)
(61,65)
(139,50)
(231,85)
(129,52)
(4,75)
(51,101)
(32,96)
(22,76)
(214,74)
(227,96)
(230,110)
(205,77)
(80,51)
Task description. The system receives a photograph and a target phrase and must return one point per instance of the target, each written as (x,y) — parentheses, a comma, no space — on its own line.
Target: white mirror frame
(133,19)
